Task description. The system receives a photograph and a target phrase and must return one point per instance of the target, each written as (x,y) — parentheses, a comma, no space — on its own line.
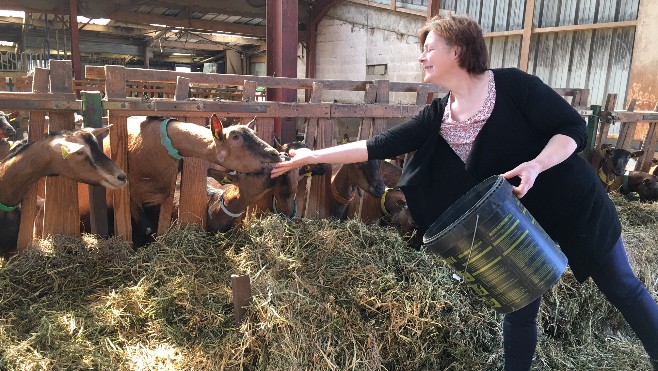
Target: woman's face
(437,58)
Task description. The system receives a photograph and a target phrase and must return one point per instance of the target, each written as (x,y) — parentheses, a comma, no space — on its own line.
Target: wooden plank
(35,132)
(606,120)
(241,289)
(61,211)
(193,196)
(115,87)
(627,130)
(319,134)
(527,32)
(316,93)
(370,206)
(649,144)
(265,130)
(354,209)
(148,75)
(249,94)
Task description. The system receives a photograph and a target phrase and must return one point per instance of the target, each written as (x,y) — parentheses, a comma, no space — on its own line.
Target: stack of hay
(326,295)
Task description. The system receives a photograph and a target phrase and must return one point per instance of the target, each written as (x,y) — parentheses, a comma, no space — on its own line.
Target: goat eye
(235,137)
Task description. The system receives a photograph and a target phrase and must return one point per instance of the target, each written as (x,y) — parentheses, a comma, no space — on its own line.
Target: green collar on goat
(7,208)
(166,141)
(624,184)
(294,206)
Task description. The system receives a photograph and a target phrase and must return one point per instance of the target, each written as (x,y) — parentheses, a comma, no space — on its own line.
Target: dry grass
(327,295)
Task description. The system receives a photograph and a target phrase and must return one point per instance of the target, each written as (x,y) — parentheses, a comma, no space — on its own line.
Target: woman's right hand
(298,158)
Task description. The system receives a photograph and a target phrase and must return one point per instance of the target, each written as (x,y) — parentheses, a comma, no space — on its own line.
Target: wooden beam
(75,39)
(527,33)
(582,27)
(433,7)
(197,24)
(190,45)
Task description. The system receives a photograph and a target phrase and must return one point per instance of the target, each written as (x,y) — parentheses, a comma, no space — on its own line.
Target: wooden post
(370,206)
(644,163)
(115,87)
(92,113)
(606,120)
(35,132)
(75,39)
(62,214)
(241,288)
(193,194)
(627,130)
(527,34)
(282,58)
(433,7)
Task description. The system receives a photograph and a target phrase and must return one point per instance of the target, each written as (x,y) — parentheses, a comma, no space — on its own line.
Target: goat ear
(277,144)
(252,124)
(216,126)
(100,133)
(637,153)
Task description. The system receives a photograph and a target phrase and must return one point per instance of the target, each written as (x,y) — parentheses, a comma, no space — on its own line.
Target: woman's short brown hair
(464,33)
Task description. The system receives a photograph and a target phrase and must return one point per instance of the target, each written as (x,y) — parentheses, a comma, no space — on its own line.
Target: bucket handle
(470,250)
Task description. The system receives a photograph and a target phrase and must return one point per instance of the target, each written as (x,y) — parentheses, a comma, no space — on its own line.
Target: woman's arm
(342,154)
(558,149)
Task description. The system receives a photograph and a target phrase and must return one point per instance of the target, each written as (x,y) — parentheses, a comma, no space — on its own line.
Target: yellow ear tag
(65,152)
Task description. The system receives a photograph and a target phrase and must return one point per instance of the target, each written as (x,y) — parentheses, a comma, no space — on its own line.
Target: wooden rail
(118,86)
(630,120)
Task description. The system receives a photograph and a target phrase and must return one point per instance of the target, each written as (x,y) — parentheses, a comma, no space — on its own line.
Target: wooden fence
(637,130)
(121,101)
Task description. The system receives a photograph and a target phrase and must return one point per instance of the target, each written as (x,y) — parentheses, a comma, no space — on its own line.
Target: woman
(507,122)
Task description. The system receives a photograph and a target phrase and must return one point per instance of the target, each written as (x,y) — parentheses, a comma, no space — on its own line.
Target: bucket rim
(494,182)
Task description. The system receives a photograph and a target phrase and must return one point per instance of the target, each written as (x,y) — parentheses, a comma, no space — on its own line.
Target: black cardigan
(567,200)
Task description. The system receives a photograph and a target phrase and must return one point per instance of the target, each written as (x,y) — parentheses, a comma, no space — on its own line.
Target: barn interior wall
(643,85)
(599,60)
(352,37)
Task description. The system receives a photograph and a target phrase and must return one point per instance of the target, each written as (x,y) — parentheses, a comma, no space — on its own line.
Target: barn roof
(201,28)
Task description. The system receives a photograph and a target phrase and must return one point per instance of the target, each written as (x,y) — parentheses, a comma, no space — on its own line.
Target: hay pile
(327,295)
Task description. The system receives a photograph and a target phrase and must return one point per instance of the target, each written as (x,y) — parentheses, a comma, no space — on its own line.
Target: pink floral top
(461,134)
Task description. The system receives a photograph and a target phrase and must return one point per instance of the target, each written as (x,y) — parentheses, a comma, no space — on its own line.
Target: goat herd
(238,174)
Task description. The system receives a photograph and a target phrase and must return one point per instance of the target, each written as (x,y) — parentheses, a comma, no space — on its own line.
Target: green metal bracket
(592,125)
(92,109)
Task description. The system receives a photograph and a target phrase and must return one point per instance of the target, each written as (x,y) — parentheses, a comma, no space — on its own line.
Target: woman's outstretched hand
(298,158)
(528,172)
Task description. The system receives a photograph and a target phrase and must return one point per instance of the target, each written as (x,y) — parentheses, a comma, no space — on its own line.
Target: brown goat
(6,131)
(228,203)
(76,155)
(283,195)
(152,169)
(610,164)
(394,204)
(644,184)
(350,178)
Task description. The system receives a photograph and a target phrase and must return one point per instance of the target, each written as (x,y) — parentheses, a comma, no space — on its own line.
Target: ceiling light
(11,13)
(98,21)
(181,54)
(7,43)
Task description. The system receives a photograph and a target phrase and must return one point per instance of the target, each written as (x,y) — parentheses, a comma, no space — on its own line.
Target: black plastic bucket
(496,246)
